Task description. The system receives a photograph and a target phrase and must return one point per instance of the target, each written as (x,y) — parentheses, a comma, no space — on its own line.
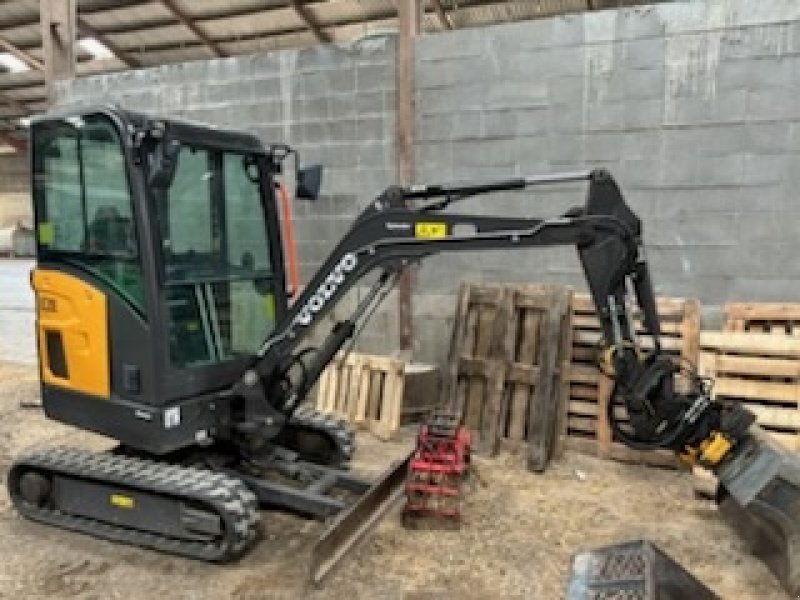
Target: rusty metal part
(632,571)
(352,525)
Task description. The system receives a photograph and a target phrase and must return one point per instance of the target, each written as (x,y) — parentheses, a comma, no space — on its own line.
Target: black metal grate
(622,565)
(633,571)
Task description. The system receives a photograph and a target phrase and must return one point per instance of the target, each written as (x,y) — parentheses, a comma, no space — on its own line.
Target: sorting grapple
(439,465)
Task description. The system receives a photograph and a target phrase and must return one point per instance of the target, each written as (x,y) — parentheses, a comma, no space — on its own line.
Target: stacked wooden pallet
(763,317)
(378,393)
(587,392)
(762,371)
(504,365)
(755,361)
(366,390)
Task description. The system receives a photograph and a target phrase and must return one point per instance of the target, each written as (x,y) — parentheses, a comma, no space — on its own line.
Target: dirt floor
(519,533)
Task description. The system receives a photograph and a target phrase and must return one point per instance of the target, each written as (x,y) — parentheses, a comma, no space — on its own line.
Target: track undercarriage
(203,504)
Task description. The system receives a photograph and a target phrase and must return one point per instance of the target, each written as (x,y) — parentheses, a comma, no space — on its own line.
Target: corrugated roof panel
(86,6)
(281,19)
(15,80)
(340,11)
(473,15)
(23,36)
(140,15)
(17,11)
(213,8)
(155,37)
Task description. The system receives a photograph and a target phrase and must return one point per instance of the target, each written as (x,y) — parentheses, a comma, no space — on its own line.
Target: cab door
(221,291)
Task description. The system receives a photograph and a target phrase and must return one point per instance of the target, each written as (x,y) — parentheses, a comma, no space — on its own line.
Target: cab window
(83,202)
(219,281)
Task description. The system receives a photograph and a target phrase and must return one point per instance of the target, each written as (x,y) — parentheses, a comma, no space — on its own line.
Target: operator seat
(110,232)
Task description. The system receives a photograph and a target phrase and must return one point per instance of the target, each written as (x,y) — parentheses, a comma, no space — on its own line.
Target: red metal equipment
(440,463)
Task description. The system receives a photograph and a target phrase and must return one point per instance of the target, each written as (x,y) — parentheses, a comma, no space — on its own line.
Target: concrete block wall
(15,198)
(334,104)
(692,106)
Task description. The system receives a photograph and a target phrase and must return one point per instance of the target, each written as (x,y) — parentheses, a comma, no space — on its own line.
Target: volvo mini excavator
(163,323)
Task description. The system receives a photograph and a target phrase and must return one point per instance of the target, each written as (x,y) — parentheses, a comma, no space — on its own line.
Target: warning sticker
(430,230)
(122,501)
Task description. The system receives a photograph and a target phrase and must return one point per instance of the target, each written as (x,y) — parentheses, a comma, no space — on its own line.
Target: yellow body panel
(79,312)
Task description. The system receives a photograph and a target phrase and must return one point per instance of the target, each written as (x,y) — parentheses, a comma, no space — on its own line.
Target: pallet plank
(765,391)
(763,344)
(742,312)
(543,411)
(521,393)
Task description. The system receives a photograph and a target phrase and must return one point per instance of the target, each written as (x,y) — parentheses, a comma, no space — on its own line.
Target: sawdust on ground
(517,537)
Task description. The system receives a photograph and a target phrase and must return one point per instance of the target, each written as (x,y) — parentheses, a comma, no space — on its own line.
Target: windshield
(212,219)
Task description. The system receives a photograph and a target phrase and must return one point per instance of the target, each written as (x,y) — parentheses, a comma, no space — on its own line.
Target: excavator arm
(759,482)
(405,225)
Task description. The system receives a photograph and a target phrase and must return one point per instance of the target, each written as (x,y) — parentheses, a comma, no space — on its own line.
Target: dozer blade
(350,526)
(635,571)
(759,496)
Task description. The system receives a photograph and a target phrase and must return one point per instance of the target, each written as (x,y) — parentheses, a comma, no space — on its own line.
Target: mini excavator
(163,323)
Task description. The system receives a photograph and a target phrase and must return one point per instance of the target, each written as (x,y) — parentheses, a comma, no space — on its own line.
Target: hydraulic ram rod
(515,183)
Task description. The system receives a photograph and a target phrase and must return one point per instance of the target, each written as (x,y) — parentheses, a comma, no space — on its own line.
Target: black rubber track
(225,495)
(318,437)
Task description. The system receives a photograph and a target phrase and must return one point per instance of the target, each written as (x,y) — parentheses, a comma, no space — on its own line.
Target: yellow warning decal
(429,230)
(47,233)
(122,501)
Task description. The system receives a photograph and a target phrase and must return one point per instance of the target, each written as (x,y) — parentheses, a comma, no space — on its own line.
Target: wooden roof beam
(122,55)
(441,14)
(187,22)
(25,57)
(311,21)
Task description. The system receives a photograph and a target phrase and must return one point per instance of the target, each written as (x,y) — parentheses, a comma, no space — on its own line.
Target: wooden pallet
(586,391)
(366,390)
(504,365)
(763,317)
(761,370)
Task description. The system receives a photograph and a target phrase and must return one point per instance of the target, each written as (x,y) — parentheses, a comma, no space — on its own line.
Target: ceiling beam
(123,56)
(187,22)
(311,21)
(441,14)
(21,54)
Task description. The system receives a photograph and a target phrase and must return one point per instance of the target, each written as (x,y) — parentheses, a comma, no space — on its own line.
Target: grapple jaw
(759,496)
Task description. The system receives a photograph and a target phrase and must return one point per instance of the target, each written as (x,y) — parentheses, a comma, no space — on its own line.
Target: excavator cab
(160,268)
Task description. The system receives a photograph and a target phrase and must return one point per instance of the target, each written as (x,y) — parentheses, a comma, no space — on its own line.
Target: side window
(108,198)
(61,183)
(247,238)
(83,202)
(188,243)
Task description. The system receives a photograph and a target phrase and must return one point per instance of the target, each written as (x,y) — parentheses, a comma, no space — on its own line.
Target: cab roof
(189,132)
